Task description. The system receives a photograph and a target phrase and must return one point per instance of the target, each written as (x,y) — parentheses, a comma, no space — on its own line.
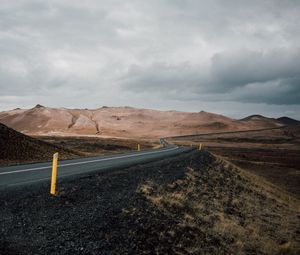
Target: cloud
(241,75)
(186,54)
(241,67)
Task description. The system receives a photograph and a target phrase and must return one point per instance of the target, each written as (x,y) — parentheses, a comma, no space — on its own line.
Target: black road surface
(38,172)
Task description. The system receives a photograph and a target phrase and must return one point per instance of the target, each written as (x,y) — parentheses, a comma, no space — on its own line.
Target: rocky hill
(17,147)
(124,122)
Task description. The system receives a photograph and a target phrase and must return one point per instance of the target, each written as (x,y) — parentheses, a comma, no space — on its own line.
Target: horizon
(235,58)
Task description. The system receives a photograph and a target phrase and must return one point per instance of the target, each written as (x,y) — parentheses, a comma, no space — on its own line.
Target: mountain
(254,117)
(288,121)
(22,148)
(124,122)
(258,121)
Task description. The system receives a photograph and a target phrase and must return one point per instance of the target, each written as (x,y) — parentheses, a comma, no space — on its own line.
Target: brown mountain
(124,122)
(22,148)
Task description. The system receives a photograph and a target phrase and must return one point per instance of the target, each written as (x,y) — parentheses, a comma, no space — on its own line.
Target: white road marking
(89,161)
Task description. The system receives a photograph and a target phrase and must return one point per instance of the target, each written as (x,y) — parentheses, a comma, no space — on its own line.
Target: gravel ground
(189,204)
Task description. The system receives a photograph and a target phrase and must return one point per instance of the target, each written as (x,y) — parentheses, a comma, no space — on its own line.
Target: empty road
(38,172)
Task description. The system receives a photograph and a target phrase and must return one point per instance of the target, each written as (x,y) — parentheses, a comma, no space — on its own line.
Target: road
(226,132)
(38,172)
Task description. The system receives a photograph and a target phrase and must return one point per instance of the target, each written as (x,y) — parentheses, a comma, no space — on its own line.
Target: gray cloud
(242,67)
(160,54)
(241,75)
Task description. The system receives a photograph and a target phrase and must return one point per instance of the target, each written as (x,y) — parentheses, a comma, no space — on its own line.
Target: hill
(123,122)
(288,121)
(254,121)
(22,148)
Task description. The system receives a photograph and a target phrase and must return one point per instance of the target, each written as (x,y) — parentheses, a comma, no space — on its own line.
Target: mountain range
(128,122)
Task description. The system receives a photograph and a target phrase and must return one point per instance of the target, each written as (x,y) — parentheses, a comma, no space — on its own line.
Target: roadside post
(54,174)
(139,147)
(200,146)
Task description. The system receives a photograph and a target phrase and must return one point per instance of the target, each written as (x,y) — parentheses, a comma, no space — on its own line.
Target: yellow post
(200,146)
(54,174)
(139,147)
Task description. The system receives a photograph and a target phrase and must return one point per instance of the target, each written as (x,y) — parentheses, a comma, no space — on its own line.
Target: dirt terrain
(273,154)
(93,146)
(19,148)
(196,203)
(125,122)
(281,167)
(191,204)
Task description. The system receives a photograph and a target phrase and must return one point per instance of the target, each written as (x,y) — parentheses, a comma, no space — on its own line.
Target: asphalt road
(226,132)
(33,173)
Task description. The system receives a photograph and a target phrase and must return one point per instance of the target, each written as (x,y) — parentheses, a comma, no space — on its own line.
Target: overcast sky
(230,57)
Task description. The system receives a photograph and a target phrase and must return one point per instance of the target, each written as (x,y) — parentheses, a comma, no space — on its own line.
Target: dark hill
(288,121)
(254,117)
(17,147)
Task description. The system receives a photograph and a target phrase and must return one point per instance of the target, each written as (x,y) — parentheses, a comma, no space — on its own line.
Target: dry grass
(263,185)
(271,154)
(229,202)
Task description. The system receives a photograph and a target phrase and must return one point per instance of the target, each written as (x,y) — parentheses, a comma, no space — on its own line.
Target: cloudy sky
(230,57)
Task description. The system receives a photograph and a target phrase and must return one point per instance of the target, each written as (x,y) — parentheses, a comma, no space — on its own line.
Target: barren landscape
(192,204)
(20,148)
(273,154)
(230,197)
(150,127)
(92,146)
(17,148)
(125,122)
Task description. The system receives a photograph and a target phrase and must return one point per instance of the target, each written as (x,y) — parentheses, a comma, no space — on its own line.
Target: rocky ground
(17,148)
(20,149)
(93,146)
(279,166)
(191,204)
(272,154)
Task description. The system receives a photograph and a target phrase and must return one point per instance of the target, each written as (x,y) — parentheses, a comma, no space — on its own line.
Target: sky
(229,57)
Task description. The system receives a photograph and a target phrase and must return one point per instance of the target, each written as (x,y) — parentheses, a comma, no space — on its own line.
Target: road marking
(89,161)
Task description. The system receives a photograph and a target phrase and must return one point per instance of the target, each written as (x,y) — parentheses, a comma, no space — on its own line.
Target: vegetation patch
(221,203)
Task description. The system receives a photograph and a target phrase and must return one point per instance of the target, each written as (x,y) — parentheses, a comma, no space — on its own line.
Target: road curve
(33,173)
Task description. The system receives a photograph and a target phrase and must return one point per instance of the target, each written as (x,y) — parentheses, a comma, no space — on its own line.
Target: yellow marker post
(200,146)
(139,147)
(54,174)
